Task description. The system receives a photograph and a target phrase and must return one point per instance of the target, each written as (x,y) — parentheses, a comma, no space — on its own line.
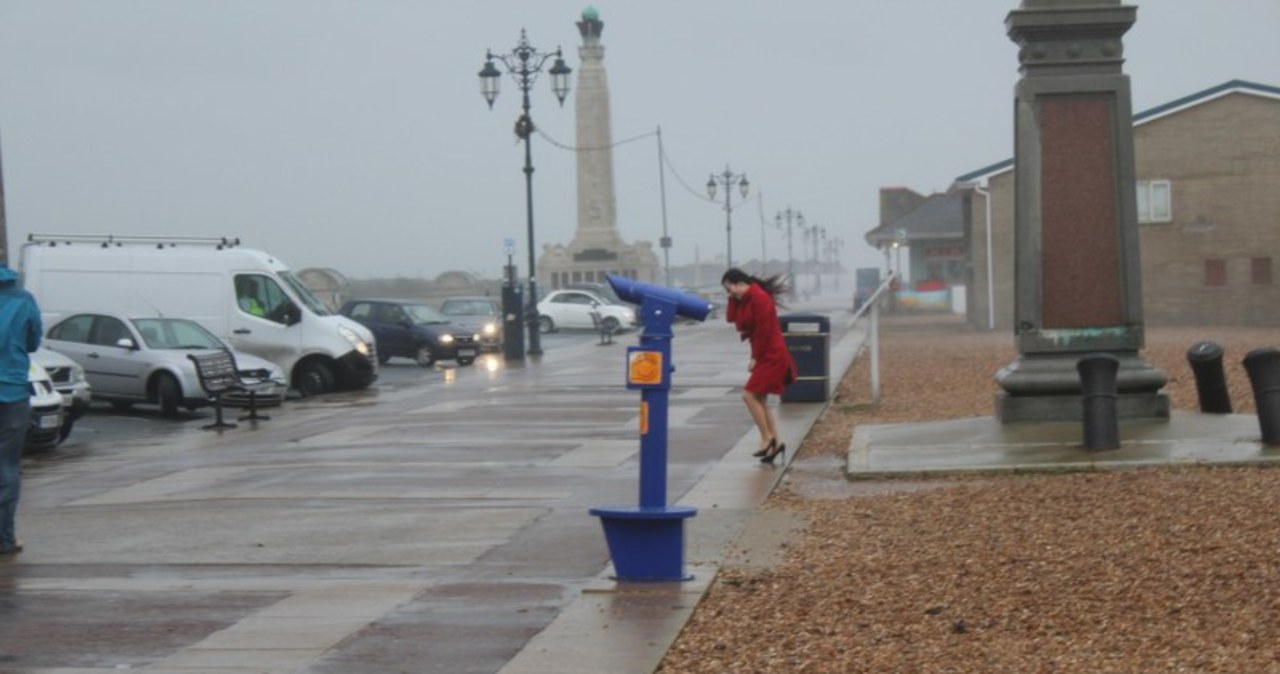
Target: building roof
(940,216)
(1152,114)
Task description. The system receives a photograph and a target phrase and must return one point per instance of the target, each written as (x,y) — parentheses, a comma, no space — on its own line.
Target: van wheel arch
(314,376)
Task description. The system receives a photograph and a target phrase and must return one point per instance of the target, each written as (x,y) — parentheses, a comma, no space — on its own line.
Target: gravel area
(1161,570)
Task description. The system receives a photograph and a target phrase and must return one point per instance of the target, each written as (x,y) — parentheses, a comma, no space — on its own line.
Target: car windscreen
(423,314)
(175,333)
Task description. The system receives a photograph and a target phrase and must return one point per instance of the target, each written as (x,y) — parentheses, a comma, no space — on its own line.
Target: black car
(413,330)
(482,315)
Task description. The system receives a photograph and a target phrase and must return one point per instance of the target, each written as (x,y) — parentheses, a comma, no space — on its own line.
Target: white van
(246,297)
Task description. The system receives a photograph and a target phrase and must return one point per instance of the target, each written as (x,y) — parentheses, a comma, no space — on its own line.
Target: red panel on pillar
(1080,228)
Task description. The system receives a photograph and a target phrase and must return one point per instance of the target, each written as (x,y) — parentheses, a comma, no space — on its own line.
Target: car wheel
(314,378)
(168,394)
(466,361)
(425,356)
(545,324)
(610,324)
(65,430)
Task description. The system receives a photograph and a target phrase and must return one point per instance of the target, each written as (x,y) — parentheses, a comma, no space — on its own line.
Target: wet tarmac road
(435,523)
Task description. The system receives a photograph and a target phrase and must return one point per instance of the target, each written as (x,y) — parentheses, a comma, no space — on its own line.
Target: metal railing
(872,308)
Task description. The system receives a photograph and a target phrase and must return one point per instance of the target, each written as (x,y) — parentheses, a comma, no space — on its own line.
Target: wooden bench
(218,376)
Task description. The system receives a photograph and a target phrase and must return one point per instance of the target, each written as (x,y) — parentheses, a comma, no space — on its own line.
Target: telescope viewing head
(687,305)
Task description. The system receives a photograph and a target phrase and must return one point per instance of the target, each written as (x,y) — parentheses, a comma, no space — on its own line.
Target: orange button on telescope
(645,368)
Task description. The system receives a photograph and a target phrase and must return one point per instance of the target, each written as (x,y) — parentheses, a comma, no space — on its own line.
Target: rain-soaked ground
(434,523)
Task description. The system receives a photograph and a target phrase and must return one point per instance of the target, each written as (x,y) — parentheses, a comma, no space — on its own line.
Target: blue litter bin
(808,338)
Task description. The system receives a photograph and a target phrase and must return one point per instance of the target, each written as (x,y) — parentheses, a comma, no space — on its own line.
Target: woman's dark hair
(770,284)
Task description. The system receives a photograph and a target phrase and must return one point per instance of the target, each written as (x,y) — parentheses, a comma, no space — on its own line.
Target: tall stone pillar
(597,206)
(1077,272)
(597,248)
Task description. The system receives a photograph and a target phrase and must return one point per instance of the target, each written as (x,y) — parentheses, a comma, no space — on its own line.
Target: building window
(1260,271)
(1155,201)
(1215,272)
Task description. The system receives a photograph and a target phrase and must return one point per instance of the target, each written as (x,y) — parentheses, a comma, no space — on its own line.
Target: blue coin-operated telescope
(647,541)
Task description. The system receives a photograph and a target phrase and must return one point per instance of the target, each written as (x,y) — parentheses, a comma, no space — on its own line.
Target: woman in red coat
(753,310)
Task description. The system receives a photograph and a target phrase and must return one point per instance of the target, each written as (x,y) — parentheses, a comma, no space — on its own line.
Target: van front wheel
(314,378)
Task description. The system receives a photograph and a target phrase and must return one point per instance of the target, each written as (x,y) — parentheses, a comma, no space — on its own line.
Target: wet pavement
(428,525)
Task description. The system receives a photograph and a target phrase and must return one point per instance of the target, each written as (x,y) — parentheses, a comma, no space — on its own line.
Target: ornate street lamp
(524,63)
(728,179)
(815,233)
(789,216)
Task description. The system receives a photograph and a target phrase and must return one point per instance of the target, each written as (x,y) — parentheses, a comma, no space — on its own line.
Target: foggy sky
(352,134)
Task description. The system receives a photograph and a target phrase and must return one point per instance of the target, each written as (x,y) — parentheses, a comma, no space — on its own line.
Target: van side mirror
(292,314)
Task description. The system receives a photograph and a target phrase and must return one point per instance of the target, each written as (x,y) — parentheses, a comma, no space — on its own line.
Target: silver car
(144,360)
(68,380)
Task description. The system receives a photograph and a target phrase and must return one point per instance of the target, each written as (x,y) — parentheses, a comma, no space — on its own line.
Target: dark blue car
(413,330)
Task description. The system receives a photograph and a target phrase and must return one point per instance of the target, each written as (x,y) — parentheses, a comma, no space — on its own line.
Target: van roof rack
(118,240)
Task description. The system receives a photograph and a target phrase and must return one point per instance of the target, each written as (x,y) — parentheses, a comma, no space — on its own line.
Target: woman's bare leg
(759,414)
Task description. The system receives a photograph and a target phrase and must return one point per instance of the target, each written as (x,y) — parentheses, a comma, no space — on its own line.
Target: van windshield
(316,306)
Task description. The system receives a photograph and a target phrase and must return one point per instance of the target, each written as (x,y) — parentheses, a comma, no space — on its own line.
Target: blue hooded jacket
(20,330)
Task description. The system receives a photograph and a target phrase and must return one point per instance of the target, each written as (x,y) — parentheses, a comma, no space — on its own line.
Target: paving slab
(984,444)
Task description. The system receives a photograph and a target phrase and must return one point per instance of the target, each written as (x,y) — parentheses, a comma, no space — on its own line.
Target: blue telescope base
(647,544)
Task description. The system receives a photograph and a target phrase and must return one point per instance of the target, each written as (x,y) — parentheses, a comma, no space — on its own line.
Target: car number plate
(49,421)
(466,352)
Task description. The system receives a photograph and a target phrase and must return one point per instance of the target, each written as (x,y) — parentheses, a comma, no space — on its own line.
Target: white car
(44,425)
(69,381)
(574,309)
(144,360)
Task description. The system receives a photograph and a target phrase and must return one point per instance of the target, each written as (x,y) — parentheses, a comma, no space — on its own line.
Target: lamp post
(834,244)
(728,179)
(812,233)
(789,216)
(524,63)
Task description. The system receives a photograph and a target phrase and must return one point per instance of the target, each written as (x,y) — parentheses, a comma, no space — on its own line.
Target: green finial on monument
(590,14)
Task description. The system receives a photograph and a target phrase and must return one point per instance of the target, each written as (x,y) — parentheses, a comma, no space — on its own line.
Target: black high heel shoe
(770,456)
(764,451)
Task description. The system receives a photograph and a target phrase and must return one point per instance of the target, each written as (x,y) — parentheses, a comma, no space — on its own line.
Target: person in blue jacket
(20,331)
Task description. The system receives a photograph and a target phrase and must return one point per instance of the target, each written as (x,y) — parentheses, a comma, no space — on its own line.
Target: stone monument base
(1010,409)
(1046,387)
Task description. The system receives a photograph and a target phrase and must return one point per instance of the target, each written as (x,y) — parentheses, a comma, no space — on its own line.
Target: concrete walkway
(433,527)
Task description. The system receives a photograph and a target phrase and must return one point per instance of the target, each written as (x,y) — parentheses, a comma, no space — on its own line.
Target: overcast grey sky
(352,134)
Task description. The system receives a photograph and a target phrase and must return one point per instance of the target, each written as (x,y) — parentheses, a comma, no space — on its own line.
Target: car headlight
(446,339)
(361,346)
(77,374)
(490,329)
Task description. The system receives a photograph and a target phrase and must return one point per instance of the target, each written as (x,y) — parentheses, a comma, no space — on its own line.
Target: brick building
(1208,181)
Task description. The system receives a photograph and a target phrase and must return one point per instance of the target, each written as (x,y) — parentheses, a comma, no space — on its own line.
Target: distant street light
(834,244)
(524,63)
(790,216)
(728,179)
(813,233)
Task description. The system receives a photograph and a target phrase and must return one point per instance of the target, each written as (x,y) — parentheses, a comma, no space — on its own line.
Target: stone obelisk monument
(1078,286)
(597,247)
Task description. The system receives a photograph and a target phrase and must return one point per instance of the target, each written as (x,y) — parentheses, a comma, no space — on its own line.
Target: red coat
(756,318)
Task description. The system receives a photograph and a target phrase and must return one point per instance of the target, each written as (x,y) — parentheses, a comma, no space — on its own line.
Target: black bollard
(1205,359)
(1099,397)
(1263,366)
